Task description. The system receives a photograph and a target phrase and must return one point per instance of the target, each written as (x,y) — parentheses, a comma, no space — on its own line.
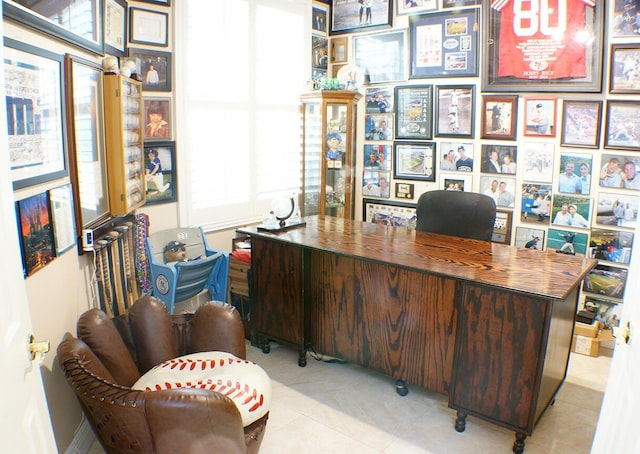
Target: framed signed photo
(414,7)
(395,214)
(359,16)
(623,117)
(581,123)
(455,110)
(414,112)
(625,77)
(444,44)
(540,117)
(414,161)
(499,115)
(524,53)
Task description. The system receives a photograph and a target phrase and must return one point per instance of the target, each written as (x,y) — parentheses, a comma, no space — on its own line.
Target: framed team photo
(499,117)
(581,123)
(454,110)
(537,60)
(540,117)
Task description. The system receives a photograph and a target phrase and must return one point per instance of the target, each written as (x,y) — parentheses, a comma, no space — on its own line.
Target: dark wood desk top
(541,273)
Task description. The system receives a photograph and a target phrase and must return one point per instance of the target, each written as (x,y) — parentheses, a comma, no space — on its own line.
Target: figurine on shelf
(110,64)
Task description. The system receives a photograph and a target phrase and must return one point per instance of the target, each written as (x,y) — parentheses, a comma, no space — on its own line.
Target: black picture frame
(166,189)
(581,123)
(87,150)
(444,44)
(36,238)
(161,62)
(34,79)
(348,17)
(621,114)
(395,214)
(583,73)
(380,56)
(455,111)
(148,27)
(115,27)
(414,161)
(414,111)
(31,18)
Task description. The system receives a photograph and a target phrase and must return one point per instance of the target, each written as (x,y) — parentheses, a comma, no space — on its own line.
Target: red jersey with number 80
(543,39)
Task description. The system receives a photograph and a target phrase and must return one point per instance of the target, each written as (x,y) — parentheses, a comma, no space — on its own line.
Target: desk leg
(302,358)
(461,421)
(518,445)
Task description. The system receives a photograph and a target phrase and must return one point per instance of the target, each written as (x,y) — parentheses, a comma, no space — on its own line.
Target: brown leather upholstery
(456,213)
(111,354)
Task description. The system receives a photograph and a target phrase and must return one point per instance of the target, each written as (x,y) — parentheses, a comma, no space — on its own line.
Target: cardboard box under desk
(586,330)
(590,346)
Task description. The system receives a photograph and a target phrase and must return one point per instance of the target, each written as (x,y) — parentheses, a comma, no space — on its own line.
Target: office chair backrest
(456,213)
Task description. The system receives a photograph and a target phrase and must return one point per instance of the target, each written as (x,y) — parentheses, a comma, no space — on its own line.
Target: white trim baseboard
(82,440)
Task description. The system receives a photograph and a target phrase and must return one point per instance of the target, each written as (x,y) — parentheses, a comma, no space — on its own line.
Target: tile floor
(342,408)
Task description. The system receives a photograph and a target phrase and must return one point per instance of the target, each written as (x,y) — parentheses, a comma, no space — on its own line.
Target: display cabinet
(329,133)
(124,143)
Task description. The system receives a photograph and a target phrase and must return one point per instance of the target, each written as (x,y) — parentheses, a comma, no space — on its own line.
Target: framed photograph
(458,3)
(88,163)
(86,33)
(395,214)
(416,6)
(538,161)
(37,142)
(499,117)
(115,27)
(148,27)
(379,99)
(381,57)
(623,16)
(608,311)
(611,245)
(160,172)
(567,242)
(502,227)
(444,44)
(499,159)
(63,225)
(154,68)
(625,77)
(414,117)
(375,183)
(540,117)
(623,118)
(455,106)
(529,238)
(619,210)
(581,123)
(532,58)
(456,156)
(575,173)
(157,2)
(347,17)
(378,127)
(414,161)
(36,236)
(536,203)
(377,157)
(157,117)
(570,210)
(339,50)
(606,280)
(404,191)
(620,171)
(319,18)
(320,52)
(456,182)
(501,189)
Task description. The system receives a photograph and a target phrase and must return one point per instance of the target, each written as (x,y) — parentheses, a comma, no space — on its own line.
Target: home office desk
(488,325)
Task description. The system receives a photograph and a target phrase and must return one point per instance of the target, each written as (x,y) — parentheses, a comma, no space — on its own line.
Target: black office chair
(456,213)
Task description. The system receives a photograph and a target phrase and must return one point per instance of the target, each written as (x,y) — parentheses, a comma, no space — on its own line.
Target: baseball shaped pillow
(242,381)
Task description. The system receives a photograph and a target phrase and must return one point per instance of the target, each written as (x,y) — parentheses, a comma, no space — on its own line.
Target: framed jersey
(545,45)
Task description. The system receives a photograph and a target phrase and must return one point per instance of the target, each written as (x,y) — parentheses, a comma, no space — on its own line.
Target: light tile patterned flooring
(342,408)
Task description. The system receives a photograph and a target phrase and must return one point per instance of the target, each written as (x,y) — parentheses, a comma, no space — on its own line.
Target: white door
(25,425)
(617,429)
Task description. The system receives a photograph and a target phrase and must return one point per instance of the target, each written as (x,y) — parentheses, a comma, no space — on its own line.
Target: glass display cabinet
(329,134)
(124,144)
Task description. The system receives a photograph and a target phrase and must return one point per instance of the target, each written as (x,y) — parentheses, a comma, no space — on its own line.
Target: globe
(283,208)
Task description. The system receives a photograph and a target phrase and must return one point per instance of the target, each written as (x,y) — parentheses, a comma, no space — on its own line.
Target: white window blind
(241,66)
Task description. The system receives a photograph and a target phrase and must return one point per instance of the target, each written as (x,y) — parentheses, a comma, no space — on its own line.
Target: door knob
(622,333)
(37,349)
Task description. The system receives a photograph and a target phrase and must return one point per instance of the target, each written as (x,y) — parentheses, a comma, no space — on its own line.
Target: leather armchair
(456,213)
(110,355)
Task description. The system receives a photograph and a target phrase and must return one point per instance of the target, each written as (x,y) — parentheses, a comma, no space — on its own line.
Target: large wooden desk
(486,324)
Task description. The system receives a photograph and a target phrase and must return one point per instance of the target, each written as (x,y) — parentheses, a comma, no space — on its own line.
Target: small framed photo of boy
(540,117)
(160,172)
(157,117)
